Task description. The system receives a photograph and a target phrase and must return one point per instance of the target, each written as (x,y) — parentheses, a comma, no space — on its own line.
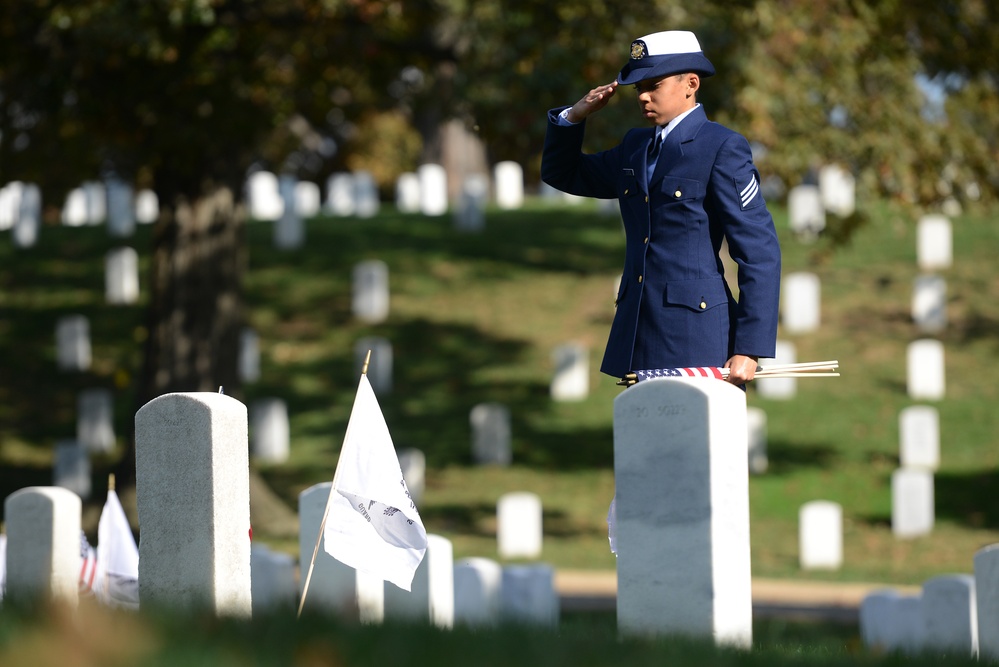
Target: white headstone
(334,587)
(121,276)
(431,598)
(193,493)
(74,211)
(925,374)
(43,544)
(308,199)
(3,565)
(929,303)
(491,434)
(433,189)
(366,194)
(272,575)
(71,469)
(934,243)
(269,430)
(470,212)
(571,381)
(838,189)
(73,343)
(519,531)
(407,193)
(371,291)
(380,366)
(528,595)
(987,600)
(912,508)
(29,217)
(414,472)
(289,230)
(341,198)
(478,583)
(249,356)
(756,419)
(800,303)
(919,436)
(805,211)
(779,388)
(95,420)
(147,207)
(96,202)
(509,179)
(263,198)
(121,208)
(820,535)
(10,204)
(682,510)
(950,615)
(890,621)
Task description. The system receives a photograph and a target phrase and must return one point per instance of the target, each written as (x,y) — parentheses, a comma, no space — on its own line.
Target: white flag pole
(326,512)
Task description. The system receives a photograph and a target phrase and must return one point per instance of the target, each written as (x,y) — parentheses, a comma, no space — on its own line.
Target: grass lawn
(475,318)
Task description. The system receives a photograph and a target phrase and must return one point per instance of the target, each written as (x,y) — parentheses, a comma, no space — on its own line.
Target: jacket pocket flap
(677,189)
(698,295)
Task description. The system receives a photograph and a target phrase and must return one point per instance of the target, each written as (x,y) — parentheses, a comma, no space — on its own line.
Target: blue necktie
(654,148)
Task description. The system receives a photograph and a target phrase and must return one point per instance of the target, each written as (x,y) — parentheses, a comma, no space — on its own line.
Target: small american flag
(695,372)
(88,567)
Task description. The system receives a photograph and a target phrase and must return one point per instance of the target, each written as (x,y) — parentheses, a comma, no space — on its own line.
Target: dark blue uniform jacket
(674,308)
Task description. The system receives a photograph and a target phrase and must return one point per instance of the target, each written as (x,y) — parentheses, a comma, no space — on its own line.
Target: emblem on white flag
(373,524)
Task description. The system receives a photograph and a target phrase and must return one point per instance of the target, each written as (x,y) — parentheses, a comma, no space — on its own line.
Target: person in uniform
(683,185)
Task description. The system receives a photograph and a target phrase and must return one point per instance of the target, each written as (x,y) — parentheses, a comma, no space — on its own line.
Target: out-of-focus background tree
(187,96)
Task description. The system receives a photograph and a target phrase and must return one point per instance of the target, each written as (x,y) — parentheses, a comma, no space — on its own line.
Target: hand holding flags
(803,370)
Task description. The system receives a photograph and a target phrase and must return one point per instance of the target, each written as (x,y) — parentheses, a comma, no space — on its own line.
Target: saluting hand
(595,100)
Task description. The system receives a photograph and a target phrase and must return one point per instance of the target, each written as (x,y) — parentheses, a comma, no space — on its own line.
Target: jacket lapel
(673,147)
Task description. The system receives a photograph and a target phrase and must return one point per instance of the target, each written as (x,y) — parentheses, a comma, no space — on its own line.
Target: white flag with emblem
(373,524)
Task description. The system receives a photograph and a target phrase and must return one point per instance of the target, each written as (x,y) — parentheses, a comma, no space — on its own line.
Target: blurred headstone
(341,198)
(147,207)
(491,434)
(10,204)
(934,241)
(912,509)
(431,597)
(925,374)
(756,419)
(249,356)
(528,595)
(121,208)
(950,615)
(73,351)
(96,198)
(371,291)
(838,188)
(289,230)
(986,564)
(477,592)
(891,622)
(29,218)
(269,430)
(801,303)
(806,214)
(919,435)
(407,193)
(470,213)
(414,471)
(94,420)
(433,189)
(518,525)
(43,545)
(571,381)
(71,468)
(308,199)
(272,577)
(509,180)
(263,198)
(366,194)
(820,535)
(121,276)
(929,303)
(74,211)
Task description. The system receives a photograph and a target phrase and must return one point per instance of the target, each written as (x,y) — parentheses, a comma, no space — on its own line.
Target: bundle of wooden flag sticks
(810,369)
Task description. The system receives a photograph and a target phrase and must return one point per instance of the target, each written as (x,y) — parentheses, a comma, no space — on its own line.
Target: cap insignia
(638,50)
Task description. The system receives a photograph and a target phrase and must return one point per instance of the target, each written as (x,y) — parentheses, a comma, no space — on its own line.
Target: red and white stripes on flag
(88,565)
(694,372)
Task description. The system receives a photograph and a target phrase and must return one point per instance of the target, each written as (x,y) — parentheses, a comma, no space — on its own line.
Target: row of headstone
(956,614)
(475,591)
(269,197)
(352,194)
(807,205)
(21,212)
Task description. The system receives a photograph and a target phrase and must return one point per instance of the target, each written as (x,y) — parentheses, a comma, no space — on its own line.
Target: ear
(693,83)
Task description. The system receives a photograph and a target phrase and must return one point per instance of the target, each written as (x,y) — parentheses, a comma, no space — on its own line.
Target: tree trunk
(195,311)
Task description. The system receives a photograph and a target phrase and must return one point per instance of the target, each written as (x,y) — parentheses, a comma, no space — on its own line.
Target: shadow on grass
(785,457)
